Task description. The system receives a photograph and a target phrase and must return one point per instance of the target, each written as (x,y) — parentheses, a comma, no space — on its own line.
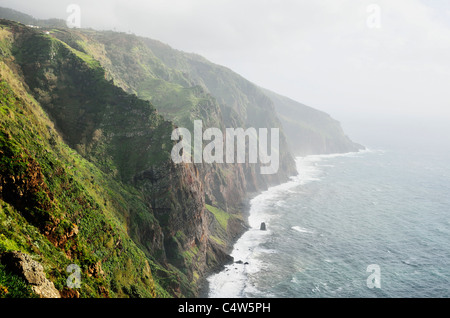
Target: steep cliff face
(309,131)
(176,195)
(129,141)
(60,208)
(177,93)
(123,138)
(87,118)
(130,62)
(242,103)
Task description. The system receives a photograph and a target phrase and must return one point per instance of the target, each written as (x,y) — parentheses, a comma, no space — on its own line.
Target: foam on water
(233,282)
(301,229)
(337,216)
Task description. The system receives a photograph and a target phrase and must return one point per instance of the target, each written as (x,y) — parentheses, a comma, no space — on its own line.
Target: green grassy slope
(56,205)
(85,167)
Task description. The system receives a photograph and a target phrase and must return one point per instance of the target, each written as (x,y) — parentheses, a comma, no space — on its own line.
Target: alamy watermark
(374,279)
(74,279)
(374,16)
(230,147)
(74,19)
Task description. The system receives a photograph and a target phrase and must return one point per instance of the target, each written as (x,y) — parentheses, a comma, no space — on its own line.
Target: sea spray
(233,280)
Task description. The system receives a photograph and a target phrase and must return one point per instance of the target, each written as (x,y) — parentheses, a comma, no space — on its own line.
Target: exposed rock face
(175,193)
(129,141)
(101,121)
(69,293)
(32,272)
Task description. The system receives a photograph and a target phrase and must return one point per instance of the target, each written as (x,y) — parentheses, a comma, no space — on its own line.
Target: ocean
(358,225)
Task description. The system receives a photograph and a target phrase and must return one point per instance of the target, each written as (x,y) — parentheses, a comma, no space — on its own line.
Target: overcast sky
(357,60)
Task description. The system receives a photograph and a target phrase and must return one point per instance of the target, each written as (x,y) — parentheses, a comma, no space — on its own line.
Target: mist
(379,67)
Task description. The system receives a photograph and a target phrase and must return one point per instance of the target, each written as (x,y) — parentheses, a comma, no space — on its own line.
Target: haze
(373,65)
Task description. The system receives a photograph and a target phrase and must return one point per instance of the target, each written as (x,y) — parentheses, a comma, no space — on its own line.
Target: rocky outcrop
(31,271)
(176,196)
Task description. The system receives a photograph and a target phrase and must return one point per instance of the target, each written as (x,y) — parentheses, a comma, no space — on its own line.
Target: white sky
(322,53)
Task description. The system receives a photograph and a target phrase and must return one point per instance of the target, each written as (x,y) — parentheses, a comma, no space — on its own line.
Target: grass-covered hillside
(86,176)
(73,205)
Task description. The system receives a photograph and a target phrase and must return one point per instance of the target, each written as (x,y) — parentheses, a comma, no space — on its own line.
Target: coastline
(252,221)
(204,285)
(251,227)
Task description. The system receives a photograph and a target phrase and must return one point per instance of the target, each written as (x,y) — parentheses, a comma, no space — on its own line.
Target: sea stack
(263,226)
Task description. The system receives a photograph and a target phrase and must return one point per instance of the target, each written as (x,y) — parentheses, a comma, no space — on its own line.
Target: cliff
(310,131)
(56,205)
(86,176)
(159,206)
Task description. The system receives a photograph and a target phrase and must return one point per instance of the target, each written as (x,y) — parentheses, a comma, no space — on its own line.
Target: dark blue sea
(338,218)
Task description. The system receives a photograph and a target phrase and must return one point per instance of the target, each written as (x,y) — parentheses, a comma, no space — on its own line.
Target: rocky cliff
(89,204)
(86,176)
(309,131)
(125,141)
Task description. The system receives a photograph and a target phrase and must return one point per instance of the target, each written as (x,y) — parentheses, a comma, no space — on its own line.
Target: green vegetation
(60,207)
(85,172)
(89,60)
(12,286)
(92,163)
(221,216)
(71,193)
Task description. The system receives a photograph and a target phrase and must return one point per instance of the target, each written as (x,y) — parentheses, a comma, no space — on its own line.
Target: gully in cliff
(213,152)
